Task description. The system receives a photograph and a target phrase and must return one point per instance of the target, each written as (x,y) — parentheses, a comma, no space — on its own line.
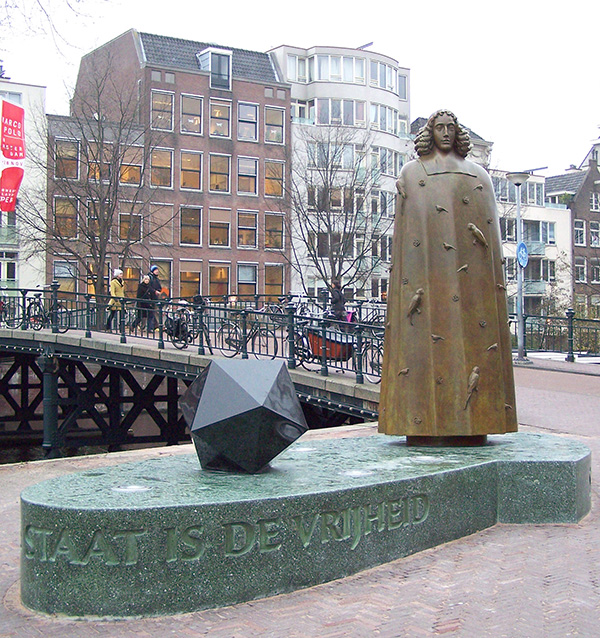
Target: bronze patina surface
(447,368)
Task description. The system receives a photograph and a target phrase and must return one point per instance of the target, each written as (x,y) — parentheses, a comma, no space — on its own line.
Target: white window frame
(181,114)
(154,92)
(579,232)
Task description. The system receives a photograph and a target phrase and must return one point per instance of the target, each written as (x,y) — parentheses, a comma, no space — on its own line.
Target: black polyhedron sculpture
(242,414)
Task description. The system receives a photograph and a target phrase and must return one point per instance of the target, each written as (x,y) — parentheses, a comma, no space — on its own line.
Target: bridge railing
(297,329)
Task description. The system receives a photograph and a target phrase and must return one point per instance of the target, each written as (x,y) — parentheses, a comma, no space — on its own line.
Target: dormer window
(218,63)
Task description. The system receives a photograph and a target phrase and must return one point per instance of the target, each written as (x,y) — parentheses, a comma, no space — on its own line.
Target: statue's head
(426,137)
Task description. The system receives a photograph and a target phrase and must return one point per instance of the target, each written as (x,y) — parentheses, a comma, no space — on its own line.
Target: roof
(566,183)
(181,54)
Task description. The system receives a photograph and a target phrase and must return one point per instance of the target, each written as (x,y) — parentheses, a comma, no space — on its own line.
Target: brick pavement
(508,581)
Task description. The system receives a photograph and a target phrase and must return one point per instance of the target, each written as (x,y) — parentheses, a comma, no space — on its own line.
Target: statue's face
(444,133)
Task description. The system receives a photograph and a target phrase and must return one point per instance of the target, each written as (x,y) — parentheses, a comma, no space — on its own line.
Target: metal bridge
(77,389)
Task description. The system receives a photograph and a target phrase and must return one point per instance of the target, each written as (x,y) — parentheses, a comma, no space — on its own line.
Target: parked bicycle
(11,312)
(38,317)
(184,325)
(230,339)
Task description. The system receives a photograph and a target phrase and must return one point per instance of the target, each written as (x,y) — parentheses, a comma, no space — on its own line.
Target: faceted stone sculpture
(242,414)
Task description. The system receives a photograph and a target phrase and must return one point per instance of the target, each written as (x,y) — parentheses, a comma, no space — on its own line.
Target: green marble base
(162,536)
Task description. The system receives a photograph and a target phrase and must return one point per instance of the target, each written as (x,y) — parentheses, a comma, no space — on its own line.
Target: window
(548,233)
(247,122)
(131,166)
(218,228)
(508,229)
(219,173)
(218,63)
(220,74)
(156,76)
(162,111)
(386,248)
(296,68)
(218,280)
(247,176)
(535,193)
(170,78)
(595,202)
(219,119)
(247,229)
(531,231)
(595,234)
(190,225)
(595,270)
(191,170)
(161,165)
(130,222)
(579,232)
(191,114)
(247,279)
(93,214)
(274,231)
(580,269)
(274,119)
(190,279)
(99,161)
(65,218)
(161,224)
(8,269)
(402,87)
(131,278)
(66,275)
(510,269)
(273,281)
(273,179)
(548,270)
(66,159)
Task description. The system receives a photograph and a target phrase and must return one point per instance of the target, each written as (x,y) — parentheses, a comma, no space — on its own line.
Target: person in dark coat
(338,303)
(155,289)
(144,296)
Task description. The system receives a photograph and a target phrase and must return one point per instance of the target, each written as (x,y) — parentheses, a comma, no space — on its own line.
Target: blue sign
(522,255)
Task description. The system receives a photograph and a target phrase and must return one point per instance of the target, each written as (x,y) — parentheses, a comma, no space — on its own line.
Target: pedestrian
(338,303)
(144,296)
(117,292)
(155,290)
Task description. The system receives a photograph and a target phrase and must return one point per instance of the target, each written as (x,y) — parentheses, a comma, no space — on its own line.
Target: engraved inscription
(129,547)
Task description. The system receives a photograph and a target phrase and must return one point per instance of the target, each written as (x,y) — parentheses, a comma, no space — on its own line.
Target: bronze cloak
(447,367)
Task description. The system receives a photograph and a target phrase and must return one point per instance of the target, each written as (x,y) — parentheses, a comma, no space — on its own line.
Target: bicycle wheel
(35,315)
(14,314)
(229,339)
(206,337)
(180,336)
(372,362)
(302,352)
(264,343)
(63,318)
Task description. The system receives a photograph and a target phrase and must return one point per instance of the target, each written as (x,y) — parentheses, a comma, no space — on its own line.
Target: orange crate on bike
(338,346)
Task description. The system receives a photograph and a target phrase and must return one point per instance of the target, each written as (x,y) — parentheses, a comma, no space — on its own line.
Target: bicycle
(38,317)
(184,328)
(11,312)
(230,340)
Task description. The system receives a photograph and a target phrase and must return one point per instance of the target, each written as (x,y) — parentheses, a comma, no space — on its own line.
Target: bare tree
(97,206)
(339,215)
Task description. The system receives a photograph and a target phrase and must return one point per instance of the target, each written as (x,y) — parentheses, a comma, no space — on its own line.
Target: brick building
(579,190)
(210,163)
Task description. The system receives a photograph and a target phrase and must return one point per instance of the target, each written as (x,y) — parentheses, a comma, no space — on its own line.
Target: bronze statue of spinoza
(447,372)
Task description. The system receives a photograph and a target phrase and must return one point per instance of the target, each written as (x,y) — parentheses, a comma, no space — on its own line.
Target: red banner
(12,153)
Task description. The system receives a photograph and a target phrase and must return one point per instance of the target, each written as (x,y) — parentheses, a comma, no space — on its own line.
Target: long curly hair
(424,138)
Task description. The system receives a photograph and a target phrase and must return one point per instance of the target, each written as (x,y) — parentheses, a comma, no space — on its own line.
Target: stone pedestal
(162,536)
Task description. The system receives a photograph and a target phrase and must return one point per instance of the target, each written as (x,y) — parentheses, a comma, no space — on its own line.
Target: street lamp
(518,179)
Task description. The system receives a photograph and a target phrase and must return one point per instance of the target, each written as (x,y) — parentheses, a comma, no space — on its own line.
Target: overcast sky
(522,74)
